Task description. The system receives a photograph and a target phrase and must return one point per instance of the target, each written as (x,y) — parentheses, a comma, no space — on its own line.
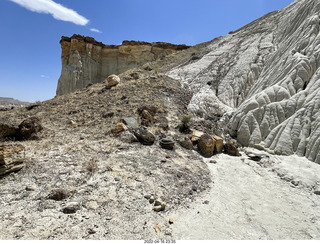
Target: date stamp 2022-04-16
(160,242)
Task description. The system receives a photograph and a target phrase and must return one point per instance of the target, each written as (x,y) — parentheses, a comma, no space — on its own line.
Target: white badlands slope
(268,74)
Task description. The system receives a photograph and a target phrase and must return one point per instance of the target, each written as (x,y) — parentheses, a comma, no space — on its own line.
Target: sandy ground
(249,201)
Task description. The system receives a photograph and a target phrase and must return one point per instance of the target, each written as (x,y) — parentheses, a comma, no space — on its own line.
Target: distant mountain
(11,101)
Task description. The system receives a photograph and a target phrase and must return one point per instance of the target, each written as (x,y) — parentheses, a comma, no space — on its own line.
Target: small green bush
(185,123)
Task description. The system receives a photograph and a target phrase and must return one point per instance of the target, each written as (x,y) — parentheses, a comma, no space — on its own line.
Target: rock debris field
(82,178)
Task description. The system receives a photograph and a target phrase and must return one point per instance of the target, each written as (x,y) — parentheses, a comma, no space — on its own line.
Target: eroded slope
(265,77)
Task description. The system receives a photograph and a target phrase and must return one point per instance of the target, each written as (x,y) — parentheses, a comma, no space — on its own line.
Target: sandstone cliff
(266,77)
(85,61)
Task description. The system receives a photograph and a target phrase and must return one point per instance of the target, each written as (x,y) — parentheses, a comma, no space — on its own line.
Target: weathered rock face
(266,77)
(85,61)
(11,158)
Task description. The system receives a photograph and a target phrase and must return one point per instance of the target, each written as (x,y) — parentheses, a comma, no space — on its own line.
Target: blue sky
(31,30)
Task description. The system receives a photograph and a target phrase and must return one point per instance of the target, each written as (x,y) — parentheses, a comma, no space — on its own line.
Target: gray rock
(71,208)
(167,143)
(147,197)
(151,199)
(131,122)
(31,187)
(186,143)
(128,137)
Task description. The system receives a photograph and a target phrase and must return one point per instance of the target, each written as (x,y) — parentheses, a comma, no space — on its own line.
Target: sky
(30,63)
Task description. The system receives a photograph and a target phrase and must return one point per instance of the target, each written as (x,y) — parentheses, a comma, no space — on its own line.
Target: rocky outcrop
(86,61)
(266,78)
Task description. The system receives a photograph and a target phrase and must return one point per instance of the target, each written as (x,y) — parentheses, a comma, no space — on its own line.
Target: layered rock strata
(86,61)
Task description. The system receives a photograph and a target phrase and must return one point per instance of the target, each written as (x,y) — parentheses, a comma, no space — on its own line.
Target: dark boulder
(29,128)
(186,143)
(144,136)
(206,145)
(167,143)
(231,149)
(8,131)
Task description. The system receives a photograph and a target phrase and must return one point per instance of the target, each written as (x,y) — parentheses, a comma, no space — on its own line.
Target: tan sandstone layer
(87,61)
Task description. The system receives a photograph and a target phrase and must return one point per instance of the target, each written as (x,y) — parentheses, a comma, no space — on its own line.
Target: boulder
(206,145)
(11,158)
(71,208)
(131,122)
(128,137)
(112,80)
(218,142)
(167,143)
(8,131)
(144,136)
(120,127)
(29,128)
(196,136)
(231,149)
(186,143)
(146,115)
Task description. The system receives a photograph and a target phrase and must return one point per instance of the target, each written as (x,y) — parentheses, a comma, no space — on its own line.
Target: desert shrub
(185,123)
(92,166)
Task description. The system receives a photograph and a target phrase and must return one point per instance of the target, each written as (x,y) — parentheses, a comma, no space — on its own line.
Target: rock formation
(86,61)
(11,158)
(266,77)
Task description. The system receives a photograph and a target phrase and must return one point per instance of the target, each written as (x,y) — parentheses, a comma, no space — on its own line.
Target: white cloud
(44,76)
(58,11)
(95,30)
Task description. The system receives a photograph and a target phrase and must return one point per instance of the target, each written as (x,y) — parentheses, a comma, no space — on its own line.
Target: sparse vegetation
(92,166)
(185,122)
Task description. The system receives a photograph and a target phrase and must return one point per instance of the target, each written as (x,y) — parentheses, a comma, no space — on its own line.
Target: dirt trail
(248,201)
